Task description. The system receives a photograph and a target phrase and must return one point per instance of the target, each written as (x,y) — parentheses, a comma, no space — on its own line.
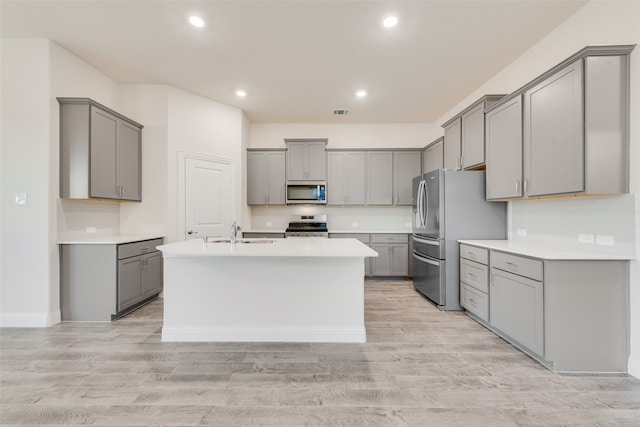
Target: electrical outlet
(269,224)
(586,238)
(521,232)
(407,224)
(355,224)
(604,240)
(91,229)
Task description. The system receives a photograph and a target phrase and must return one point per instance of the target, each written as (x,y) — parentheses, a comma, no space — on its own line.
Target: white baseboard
(29,320)
(634,366)
(199,334)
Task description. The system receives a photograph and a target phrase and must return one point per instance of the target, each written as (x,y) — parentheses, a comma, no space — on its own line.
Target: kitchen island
(285,290)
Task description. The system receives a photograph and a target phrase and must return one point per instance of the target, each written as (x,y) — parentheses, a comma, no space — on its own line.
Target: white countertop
(341,231)
(297,247)
(546,251)
(92,239)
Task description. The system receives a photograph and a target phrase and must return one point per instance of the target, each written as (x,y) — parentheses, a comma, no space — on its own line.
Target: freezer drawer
(429,278)
(429,248)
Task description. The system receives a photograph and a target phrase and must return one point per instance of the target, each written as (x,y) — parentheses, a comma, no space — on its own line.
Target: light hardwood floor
(419,367)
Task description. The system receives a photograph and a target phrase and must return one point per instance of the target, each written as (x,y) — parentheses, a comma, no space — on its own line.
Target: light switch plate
(269,224)
(355,224)
(22,199)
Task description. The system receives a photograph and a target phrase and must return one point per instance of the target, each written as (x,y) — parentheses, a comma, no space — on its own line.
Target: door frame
(183,156)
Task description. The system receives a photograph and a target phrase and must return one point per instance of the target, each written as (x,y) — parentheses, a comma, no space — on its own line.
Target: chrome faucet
(234,232)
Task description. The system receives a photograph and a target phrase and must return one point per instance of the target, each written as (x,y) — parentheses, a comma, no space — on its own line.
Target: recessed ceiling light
(241,93)
(390,21)
(361,93)
(196,21)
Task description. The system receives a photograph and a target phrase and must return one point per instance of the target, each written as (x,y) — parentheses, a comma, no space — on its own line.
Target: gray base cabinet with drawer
(362,237)
(101,282)
(393,254)
(571,315)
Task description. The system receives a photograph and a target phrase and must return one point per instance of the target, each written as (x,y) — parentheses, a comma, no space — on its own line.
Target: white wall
(26,234)
(597,23)
(411,135)
(201,126)
(174,121)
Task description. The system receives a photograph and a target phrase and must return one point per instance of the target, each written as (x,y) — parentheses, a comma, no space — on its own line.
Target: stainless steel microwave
(307,193)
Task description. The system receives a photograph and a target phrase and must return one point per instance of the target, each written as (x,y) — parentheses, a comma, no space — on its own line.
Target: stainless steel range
(307,226)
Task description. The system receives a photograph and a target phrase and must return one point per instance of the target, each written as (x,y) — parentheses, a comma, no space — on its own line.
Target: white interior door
(209,203)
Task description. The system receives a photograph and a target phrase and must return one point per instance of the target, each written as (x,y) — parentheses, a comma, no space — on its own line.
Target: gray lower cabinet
(266,177)
(568,128)
(406,166)
(345,178)
(393,254)
(433,156)
(517,309)
(100,152)
(571,315)
(362,237)
(101,282)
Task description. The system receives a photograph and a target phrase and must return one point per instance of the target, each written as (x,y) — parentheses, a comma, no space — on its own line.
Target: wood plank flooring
(419,367)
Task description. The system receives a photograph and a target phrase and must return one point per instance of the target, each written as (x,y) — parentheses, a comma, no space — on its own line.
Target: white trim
(633,367)
(206,334)
(182,159)
(29,320)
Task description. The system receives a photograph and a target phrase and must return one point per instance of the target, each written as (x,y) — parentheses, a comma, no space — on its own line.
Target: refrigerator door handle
(426,260)
(427,242)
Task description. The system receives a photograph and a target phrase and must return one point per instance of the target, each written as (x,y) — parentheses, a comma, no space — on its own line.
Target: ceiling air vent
(340,112)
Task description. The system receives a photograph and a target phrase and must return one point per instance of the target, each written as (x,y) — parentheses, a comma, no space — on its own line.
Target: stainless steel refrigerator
(448,206)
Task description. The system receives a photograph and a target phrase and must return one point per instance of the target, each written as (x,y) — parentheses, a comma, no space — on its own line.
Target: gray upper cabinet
(266,177)
(452,138)
(504,151)
(472,137)
(406,166)
(379,178)
(346,176)
(464,145)
(100,152)
(433,156)
(572,124)
(553,134)
(306,159)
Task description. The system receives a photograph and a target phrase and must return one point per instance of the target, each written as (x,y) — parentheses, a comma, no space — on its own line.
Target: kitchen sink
(243,241)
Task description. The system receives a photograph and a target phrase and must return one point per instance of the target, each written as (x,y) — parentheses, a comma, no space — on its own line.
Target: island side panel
(294,299)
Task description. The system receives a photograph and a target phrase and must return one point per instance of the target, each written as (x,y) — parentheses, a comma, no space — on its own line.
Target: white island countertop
(548,251)
(293,247)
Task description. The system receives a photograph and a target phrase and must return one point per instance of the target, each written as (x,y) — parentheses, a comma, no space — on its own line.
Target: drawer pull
(471,254)
(470,274)
(512,264)
(471,300)
(144,249)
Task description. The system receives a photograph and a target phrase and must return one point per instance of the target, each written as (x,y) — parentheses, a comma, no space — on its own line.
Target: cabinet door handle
(493,279)
(518,187)
(461,162)
(526,186)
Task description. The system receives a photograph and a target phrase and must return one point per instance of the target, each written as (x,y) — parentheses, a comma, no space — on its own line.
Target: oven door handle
(425,260)
(427,242)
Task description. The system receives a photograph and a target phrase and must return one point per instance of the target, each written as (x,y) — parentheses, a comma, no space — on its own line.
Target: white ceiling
(299,60)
